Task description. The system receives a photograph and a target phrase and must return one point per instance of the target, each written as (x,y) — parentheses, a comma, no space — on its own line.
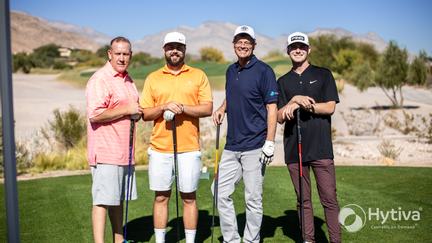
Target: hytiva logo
(297,37)
(393,215)
(273,93)
(244,28)
(352,217)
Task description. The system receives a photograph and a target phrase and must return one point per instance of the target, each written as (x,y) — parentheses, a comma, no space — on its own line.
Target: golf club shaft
(216,179)
(174,130)
(300,154)
(128,193)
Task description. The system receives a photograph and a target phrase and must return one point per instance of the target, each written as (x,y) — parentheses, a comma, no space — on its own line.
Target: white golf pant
(233,167)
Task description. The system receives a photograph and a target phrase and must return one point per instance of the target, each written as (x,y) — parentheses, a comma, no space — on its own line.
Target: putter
(216,180)
(299,140)
(128,194)
(174,133)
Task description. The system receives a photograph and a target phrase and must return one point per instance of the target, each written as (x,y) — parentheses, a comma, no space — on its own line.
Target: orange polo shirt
(189,87)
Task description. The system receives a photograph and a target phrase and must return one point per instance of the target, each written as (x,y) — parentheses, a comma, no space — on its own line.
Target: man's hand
(267,152)
(288,111)
(219,115)
(304,102)
(175,107)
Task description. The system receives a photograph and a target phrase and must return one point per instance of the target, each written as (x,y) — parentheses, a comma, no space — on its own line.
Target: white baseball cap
(244,29)
(176,37)
(298,37)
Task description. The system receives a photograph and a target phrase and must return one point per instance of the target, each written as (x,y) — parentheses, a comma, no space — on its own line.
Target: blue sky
(406,21)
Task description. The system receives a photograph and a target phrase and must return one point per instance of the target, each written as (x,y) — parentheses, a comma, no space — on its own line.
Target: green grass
(214,71)
(58,209)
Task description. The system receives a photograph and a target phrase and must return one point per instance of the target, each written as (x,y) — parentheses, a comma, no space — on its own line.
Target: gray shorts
(110,184)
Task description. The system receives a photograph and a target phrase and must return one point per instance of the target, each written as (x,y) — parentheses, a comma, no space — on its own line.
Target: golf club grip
(298,126)
(217,135)
(217,150)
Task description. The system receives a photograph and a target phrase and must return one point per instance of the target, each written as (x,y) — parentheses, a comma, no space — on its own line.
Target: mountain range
(29,32)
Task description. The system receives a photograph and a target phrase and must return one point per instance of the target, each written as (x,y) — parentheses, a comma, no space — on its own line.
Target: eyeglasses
(247,44)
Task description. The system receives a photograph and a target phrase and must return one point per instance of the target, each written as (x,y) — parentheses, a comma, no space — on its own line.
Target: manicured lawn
(58,209)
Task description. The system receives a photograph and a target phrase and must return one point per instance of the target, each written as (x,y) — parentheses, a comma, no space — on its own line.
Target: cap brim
(299,41)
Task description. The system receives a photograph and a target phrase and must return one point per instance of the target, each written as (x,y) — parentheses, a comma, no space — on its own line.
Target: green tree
(369,53)
(102,52)
(143,58)
(22,61)
(211,54)
(418,69)
(346,59)
(362,76)
(44,56)
(322,50)
(392,75)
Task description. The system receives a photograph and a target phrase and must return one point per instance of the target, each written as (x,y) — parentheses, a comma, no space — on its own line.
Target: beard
(178,60)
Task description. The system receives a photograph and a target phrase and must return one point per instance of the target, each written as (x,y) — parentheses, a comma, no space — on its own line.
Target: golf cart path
(35,99)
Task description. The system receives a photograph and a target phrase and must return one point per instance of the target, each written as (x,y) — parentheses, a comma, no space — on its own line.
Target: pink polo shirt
(108,142)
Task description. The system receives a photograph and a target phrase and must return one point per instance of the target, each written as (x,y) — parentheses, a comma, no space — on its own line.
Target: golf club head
(205,175)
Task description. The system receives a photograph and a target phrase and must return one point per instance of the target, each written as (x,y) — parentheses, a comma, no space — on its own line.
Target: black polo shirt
(318,83)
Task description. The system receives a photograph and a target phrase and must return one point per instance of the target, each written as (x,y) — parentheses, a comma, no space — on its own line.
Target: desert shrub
(389,150)
(67,128)
(22,155)
(410,124)
(211,54)
(363,122)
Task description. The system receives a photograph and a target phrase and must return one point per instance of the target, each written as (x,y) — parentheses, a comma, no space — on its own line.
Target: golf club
(174,133)
(299,140)
(216,179)
(128,193)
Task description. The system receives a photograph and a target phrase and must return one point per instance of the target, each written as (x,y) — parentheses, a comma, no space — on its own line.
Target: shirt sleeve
(282,100)
(269,87)
(97,96)
(205,93)
(146,100)
(330,89)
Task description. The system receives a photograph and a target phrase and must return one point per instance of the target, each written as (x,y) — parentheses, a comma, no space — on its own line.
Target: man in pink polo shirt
(111,100)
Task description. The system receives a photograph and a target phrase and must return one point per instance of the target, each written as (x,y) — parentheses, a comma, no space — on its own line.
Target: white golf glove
(267,152)
(168,115)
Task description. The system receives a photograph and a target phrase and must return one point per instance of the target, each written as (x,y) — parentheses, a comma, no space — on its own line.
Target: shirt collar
(251,62)
(114,73)
(184,68)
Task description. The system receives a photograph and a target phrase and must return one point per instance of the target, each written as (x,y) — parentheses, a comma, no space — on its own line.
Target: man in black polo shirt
(250,104)
(313,90)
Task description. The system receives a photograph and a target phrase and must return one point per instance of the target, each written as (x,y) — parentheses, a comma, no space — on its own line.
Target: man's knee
(188,198)
(162,197)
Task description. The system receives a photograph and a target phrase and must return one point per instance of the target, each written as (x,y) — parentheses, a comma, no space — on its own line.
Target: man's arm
(326,108)
(115,113)
(202,110)
(272,113)
(219,114)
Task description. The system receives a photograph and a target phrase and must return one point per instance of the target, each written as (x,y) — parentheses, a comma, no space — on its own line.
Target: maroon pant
(324,172)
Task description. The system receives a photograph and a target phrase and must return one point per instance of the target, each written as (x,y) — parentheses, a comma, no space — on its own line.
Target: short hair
(120,39)
(244,35)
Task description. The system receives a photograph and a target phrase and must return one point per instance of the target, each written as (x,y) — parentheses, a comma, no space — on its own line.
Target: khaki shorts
(110,184)
(161,170)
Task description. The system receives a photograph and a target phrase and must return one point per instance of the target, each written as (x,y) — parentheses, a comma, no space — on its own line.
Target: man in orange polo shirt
(180,90)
